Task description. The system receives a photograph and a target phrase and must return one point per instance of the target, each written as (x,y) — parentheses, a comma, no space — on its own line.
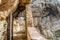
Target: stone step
(19,37)
(21,32)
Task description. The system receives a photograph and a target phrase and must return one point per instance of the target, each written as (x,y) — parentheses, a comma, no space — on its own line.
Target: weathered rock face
(3,1)
(18,25)
(29,18)
(5,4)
(3,30)
(49,22)
(6,7)
(19,29)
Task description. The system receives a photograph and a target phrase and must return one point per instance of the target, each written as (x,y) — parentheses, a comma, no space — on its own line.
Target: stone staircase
(19,36)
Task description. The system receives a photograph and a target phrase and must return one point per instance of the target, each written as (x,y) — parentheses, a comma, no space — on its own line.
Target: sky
(58,0)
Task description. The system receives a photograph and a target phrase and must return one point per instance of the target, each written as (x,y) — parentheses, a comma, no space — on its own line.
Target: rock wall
(6,7)
(3,30)
(49,23)
(29,18)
